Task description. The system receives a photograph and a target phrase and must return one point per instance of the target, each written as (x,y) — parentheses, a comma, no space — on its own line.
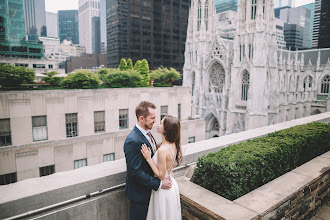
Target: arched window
(297,83)
(206,14)
(245,86)
(325,84)
(193,79)
(308,82)
(217,78)
(290,80)
(253,9)
(199,15)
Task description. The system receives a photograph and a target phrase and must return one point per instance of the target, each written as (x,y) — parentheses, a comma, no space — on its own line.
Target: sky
(55,5)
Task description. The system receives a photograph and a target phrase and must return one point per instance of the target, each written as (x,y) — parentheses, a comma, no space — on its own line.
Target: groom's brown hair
(143,109)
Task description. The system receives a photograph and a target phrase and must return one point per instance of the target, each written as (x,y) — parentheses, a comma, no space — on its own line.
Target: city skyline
(54,6)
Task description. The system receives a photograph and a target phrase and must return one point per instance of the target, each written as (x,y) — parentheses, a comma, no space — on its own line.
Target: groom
(140,179)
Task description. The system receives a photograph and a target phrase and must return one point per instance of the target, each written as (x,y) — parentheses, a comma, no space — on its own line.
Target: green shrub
(81,79)
(238,169)
(165,75)
(123,79)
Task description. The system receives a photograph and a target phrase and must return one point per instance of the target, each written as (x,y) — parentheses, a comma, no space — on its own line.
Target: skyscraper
(311,8)
(52,24)
(324,34)
(87,10)
(68,25)
(35,18)
(225,5)
(283,3)
(153,30)
(96,35)
(300,16)
(12,32)
(316,23)
(103,26)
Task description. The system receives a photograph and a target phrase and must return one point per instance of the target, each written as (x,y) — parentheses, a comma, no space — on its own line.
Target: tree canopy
(14,76)
(81,79)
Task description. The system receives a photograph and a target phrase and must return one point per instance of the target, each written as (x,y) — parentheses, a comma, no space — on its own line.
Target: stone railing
(97,192)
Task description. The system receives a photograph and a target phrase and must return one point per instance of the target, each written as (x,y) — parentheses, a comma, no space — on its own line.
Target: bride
(165,204)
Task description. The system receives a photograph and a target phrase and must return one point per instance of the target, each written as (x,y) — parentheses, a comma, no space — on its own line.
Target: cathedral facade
(248,82)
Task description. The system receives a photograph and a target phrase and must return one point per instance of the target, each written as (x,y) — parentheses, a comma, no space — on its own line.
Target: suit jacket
(140,178)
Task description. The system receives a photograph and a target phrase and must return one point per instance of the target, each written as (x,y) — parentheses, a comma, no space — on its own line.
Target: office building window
(99,122)
(179,112)
(191,140)
(39,128)
(71,122)
(123,118)
(80,163)
(8,178)
(47,170)
(5,133)
(163,111)
(108,157)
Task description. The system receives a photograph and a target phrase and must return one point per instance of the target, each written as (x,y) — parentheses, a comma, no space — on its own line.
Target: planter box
(298,194)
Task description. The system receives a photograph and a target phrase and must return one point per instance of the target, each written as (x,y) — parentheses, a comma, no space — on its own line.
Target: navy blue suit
(139,175)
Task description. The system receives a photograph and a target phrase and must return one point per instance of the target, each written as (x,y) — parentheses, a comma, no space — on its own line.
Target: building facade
(294,36)
(59,52)
(12,32)
(52,24)
(103,25)
(279,24)
(248,83)
(35,19)
(300,16)
(85,61)
(87,10)
(316,23)
(324,31)
(52,131)
(96,35)
(151,30)
(311,8)
(225,5)
(283,3)
(227,24)
(68,26)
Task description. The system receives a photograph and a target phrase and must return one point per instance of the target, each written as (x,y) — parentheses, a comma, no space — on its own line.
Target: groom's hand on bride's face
(166,183)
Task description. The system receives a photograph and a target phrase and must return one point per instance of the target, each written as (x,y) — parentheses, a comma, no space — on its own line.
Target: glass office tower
(68,26)
(151,29)
(12,32)
(225,5)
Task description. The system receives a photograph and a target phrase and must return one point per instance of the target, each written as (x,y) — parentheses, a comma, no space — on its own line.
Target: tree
(14,76)
(129,64)
(123,79)
(137,66)
(81,79)
(102,73)
(53,81)
(165,76)
(123,64)
(144,68)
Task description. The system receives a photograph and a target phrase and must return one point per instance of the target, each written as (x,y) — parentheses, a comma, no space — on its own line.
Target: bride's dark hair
(172,129)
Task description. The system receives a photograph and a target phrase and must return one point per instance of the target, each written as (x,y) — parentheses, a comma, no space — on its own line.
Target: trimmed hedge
(238,169)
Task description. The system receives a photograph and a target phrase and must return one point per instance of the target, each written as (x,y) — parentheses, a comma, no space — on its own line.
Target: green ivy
(238,169)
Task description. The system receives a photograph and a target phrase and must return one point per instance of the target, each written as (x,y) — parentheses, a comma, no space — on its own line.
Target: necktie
(152,142)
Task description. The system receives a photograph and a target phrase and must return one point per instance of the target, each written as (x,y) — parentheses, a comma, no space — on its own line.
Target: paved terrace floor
(323,214)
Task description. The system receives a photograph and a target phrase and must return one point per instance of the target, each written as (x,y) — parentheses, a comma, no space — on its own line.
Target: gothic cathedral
(248,82)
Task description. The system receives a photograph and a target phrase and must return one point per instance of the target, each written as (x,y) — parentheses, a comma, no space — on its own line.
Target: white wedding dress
(165,203)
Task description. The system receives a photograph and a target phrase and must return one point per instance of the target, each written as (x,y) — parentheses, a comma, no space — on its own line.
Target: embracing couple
(150,185)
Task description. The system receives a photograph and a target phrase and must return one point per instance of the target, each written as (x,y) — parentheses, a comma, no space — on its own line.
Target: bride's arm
(160,170)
